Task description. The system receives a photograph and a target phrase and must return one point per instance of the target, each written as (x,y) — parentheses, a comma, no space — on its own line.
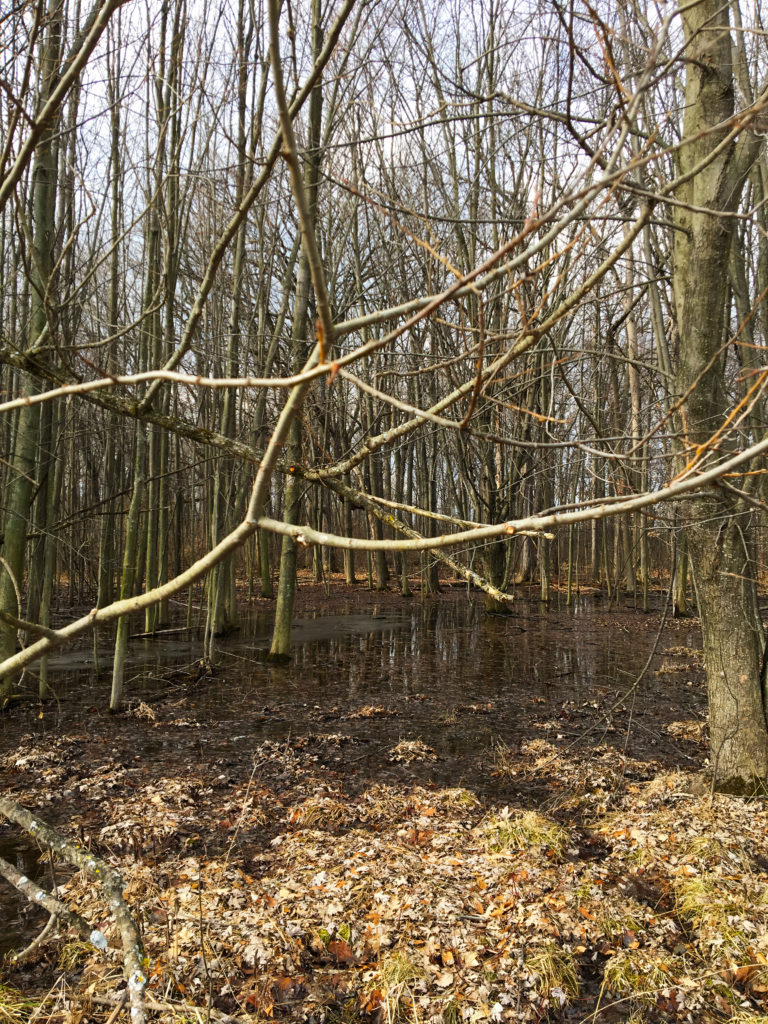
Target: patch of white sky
(381,101)
(406,114)
(537,60)
(431,95)
(130,53)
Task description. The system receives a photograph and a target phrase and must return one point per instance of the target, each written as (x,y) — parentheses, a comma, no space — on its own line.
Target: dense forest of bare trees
(381,288)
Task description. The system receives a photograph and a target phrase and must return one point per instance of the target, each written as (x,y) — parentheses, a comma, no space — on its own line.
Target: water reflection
(448,648)
(18,914)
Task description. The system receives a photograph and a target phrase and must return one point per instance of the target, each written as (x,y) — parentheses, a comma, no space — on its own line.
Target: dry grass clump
(539,753)
(382,804)
(520,832)
(15,1007)
(321,813)
(397,972)
(398,969)
(613,924)
(711,850)
(720,908)
(505,763)
(412,750)
(370,711)
(639,974)
(555,972)
(459,798)
(73,955)
(700,901)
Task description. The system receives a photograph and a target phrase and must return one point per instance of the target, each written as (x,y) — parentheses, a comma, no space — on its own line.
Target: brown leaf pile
(271,892)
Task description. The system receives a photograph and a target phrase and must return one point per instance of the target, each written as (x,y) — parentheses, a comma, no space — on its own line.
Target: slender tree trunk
(349,555)
(286,591)
(22,483)
(128,578)
(680,597)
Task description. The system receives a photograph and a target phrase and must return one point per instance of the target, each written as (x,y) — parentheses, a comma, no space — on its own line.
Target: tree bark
(717,528)
(22,482)
(286,591)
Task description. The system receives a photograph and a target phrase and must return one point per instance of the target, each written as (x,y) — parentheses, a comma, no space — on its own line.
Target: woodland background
(384,286)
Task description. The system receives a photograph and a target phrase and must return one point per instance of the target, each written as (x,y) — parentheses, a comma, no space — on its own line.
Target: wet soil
(379,669)
(368,671)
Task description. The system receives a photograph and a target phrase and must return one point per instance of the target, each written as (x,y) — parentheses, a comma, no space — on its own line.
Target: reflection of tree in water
(454,650)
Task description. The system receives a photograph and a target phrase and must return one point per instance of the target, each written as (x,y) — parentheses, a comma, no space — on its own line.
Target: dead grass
(73,955)
(509,831)
(397,974)
(505,764)
(720,908)
(320,813)
(15,1007)
(640,973)
(555,972)
(408,751)
(399,968)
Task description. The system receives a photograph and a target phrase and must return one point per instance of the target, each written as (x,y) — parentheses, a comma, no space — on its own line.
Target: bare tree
(503,290)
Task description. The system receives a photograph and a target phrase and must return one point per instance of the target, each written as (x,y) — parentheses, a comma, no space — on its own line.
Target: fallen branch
(153,633)
(178,1006)
(134,958)
(35,894)
(369,503)
(38,940)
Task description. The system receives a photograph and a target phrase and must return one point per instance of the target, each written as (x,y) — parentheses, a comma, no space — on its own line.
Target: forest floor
(333,875)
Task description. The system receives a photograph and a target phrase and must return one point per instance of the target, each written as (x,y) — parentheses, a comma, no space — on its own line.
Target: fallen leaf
(342,951)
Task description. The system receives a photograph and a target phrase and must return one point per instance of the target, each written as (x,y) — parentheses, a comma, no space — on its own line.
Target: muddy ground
(443,817)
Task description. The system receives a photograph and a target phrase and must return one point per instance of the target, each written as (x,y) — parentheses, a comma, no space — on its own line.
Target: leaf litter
(296,885)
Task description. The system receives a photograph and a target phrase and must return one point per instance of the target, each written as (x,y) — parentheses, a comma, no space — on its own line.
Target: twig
(37,941)
(172,1006)
(120,1004)
(209,997)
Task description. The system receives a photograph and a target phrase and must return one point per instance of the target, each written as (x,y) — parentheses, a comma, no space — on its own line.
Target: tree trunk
(286,590)
(22,484)
(723,571)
